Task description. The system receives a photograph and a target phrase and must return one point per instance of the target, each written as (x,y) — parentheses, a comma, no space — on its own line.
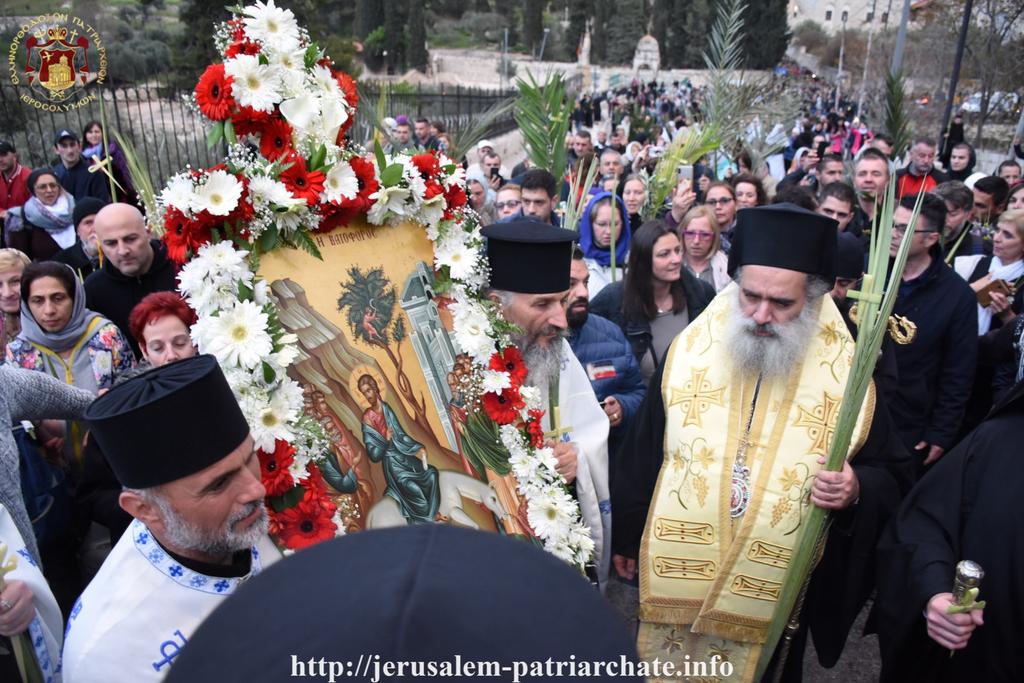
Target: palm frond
(700,140)
(896,122)
(463,137)
(142,182)
(579,195)
(542,114)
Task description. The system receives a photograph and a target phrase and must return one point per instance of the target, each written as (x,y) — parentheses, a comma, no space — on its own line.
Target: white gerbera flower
(326,82)
(273,26)
(473,332)
(341,183)
(178,193)
(531,397)
(548,516)
(224,263)
(266,190)
(460,258)
(219,195)
(239,337)
(255,85)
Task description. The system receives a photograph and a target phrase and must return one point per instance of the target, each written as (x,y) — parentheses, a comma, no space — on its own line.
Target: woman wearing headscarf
(45,224)
(63,338)
(600,227)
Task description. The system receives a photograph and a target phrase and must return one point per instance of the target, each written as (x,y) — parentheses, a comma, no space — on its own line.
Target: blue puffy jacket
(598,343)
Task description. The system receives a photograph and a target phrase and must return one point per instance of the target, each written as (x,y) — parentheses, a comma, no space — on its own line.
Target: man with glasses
(936,371)
(509,204)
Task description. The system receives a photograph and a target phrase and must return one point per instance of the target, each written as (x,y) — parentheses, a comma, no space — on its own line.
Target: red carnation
(509,360)
(305,524)
(274,468)
(535,429)
(213,93)
(275,139)
(454,199)
(503,408)
(183,235)
(302,183)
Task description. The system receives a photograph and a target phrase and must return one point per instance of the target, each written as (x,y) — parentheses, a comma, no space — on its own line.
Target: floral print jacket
(108,352)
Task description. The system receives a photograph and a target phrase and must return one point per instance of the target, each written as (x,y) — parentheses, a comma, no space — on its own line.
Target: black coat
(936,371)
(80,183)
(608,304)
(968,508)
(75,257)
(113,294)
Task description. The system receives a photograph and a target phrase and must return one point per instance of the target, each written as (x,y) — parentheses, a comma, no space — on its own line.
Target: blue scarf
(601,254)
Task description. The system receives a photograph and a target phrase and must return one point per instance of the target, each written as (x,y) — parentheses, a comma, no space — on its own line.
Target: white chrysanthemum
(273,26)
(341,183)
(472,331)
(255,85)
(326,83)
(414,179)
(298,217)
(458,177)
(239,337)
(261,293)
(219,195)
(494,381)
(531,397)
(266,190)
(287,61)
(387,200)
(225,263)
(178,193)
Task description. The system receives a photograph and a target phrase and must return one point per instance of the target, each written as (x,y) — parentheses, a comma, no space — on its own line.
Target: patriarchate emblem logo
(57,56)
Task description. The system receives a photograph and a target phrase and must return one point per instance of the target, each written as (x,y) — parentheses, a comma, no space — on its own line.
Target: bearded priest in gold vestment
(727,457)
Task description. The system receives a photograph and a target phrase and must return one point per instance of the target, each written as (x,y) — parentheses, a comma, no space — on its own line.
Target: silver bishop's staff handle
(968,575)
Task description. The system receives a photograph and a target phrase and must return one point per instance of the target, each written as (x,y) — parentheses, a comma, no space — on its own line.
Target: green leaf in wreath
(215,134)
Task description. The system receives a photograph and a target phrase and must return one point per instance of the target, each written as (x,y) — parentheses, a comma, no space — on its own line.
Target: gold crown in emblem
(57,33)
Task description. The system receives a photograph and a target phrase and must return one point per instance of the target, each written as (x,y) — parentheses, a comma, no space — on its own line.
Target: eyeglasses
(47,186)
(510,204)
(698,235)
(901,228)
(718,202)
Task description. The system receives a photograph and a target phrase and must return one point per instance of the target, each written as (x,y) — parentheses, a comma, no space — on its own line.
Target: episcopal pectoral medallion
(740,497)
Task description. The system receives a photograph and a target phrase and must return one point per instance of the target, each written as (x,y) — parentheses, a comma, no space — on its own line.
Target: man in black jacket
(135,266)
(73,171)
(84,255)
(936,370)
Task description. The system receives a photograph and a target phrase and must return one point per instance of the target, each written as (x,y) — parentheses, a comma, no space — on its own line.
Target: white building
(859,14)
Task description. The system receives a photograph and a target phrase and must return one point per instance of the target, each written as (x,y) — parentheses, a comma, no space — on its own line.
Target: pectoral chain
(740,495)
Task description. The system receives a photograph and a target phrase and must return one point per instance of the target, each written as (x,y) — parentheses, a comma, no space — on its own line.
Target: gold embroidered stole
(702,572)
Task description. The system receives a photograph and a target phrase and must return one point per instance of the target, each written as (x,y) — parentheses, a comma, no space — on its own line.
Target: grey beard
(775,356)
(187,536)
(542,362)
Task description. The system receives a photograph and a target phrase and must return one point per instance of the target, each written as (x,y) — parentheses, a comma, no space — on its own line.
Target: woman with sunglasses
(701,237)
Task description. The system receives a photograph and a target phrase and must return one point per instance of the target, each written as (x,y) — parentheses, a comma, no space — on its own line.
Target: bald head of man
(122,235)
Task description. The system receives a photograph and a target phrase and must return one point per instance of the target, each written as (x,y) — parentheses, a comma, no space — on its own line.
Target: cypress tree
(767,33)
(417,37)
(624,30)
(579,12)
(533,24)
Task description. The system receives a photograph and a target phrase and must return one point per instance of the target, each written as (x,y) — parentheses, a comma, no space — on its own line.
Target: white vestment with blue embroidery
(46,626)
(141,609)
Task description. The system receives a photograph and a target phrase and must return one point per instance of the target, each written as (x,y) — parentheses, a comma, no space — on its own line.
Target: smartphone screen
(822,146)
(686,172)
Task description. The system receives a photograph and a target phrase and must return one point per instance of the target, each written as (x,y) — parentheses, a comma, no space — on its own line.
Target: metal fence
(169,135)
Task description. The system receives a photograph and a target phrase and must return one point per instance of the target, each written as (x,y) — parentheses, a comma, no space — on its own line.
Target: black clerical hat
(849,257)
(529,257)
(423,593)
(785,236)
(167,423)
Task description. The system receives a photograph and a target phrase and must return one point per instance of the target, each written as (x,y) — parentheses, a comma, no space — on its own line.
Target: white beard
(772,356)
(185,535)
(542,362)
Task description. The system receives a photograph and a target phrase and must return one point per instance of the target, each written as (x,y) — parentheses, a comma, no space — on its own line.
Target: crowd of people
(88,308)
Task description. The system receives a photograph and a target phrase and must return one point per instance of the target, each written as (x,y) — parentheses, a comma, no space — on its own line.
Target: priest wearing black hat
(727,458)
(84,255)
(179,444)
(530,264)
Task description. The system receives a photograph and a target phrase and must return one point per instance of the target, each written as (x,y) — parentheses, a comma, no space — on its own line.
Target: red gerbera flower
(183,235)
(503,408)
(427,164)
(213,93)
(305,524)
(302,183)
(315,485)
(241,47)
(348,86)
(509,360)
(340,214)
(274,468)
(248,121)
(454,199)
(275,139)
